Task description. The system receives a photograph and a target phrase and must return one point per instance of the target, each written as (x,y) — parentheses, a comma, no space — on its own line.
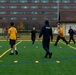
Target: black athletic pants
(58,38)
(46,43)
(71,38)
(33,39)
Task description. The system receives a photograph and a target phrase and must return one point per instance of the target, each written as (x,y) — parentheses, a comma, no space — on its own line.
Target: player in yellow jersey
(60,36)
(12,35)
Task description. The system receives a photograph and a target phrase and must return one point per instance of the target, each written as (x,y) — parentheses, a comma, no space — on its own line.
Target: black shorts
(12,42)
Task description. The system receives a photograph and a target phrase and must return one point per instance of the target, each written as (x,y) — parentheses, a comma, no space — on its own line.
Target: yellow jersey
(12,33)
(60,32)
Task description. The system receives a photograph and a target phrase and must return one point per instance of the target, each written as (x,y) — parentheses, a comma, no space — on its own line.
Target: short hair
(12,23)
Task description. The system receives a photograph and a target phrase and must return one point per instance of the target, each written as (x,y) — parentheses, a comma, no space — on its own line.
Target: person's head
(46,22)
(59,25)
(70,27)
(12,24)
(33,28)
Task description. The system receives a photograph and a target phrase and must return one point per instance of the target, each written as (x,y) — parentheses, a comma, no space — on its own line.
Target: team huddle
(47,33)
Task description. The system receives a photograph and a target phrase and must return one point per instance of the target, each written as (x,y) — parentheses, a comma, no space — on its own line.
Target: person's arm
(41,32)
(16,34)
(30,34)
(8,35)
(73,31)
(69,31)
(51,34)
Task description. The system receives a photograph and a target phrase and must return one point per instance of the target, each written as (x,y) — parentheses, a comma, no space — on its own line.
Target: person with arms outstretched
(60,35)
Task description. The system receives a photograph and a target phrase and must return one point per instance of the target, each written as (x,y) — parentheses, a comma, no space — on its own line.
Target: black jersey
(33,33)
(71,32)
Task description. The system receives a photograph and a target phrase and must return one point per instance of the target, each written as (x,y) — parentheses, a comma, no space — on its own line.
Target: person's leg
(69,40)
(64,40)
(73,39)
(48,44)
(33,39)
(14,46)
(58,38)
(11,44)
(44,43)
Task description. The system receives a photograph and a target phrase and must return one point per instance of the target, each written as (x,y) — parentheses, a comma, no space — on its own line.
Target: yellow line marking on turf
(69,46)
(9,50)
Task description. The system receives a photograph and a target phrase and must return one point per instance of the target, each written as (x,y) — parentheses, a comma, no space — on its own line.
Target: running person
(60,36)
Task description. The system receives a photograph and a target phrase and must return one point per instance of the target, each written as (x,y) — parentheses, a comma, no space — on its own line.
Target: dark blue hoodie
(46,30)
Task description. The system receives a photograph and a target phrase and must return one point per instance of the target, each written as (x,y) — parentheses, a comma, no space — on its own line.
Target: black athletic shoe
(46,55)
(11,54)
(16,52)
(50,55)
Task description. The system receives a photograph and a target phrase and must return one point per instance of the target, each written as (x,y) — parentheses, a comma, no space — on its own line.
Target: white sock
(12,51)
(15,48)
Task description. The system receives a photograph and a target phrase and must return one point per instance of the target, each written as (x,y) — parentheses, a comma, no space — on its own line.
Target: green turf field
(29,53)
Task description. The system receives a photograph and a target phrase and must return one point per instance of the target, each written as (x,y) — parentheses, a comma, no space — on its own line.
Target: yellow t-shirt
(60,32)
(12,33)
